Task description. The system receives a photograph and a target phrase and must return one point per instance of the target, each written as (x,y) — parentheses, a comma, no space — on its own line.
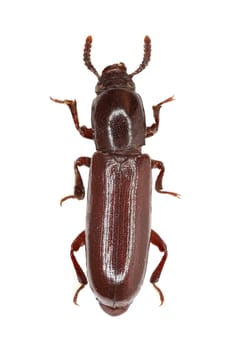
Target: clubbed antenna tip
(87,56)
(146,57)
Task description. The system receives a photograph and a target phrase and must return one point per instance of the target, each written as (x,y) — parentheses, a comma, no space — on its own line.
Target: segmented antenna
(87,56)
(146,57)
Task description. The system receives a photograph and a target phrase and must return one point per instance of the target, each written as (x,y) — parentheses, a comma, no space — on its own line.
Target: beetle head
(115,76)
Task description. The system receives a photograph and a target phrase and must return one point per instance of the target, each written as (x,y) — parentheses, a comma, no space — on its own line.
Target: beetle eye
(130,85)
(99,87)
(122,65)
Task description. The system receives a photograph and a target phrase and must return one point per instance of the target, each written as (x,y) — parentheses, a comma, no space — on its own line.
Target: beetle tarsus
(161,296)
(75,298)
(72,196)
(66,102)
(151,130)
(174,194)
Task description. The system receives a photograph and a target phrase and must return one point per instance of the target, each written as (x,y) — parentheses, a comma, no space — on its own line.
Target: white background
(41,55)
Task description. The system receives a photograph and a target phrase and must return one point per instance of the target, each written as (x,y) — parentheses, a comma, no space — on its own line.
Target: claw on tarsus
(72,196)
(75,298)
(160,294)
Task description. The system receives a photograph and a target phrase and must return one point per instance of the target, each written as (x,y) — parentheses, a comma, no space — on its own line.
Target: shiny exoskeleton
(118,232)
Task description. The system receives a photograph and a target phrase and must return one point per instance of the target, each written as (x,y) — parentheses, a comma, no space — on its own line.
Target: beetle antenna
(146,57)
(87,56)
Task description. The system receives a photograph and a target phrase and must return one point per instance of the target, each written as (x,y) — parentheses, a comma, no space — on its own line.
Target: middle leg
(156,164)
(79,190)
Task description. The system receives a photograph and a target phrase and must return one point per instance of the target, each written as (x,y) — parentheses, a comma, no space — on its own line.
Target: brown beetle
(118,232)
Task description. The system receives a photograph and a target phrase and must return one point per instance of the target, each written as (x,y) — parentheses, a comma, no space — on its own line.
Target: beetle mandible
(118,232)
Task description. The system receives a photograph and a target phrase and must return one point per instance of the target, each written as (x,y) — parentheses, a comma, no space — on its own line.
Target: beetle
(118,232)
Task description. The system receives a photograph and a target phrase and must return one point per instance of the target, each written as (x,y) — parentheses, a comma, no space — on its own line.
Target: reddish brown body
(118,231)
(118,227)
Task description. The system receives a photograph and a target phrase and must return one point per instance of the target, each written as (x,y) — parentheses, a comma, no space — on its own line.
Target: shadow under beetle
(118,231)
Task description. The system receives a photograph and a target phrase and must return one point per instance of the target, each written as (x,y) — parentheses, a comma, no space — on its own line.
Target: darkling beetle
(118,231)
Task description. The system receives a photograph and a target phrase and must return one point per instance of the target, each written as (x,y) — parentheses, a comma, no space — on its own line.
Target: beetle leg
(156,164)
(157,240)
(151,130)
(72,104)
(79,190)
(78,243)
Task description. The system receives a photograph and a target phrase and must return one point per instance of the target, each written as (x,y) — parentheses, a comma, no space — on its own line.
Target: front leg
(156,164)
(83,130)
(79,190)
(151,130)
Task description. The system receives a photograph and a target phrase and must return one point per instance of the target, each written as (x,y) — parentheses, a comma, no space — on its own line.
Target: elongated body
(118,231)
(118,227)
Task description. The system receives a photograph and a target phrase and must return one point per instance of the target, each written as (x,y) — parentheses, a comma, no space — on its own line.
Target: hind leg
(75,246)
(155,239)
